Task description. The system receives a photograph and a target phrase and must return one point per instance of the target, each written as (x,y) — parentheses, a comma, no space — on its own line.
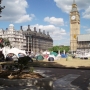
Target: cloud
(88,30)
(86,14)
(54,21)
(65,6)
(85,27)
(56,33)
(15,11)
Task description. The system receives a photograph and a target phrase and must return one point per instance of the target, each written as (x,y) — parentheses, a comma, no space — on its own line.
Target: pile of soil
(16,75)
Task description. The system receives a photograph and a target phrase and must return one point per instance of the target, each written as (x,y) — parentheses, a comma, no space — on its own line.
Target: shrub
(23,62)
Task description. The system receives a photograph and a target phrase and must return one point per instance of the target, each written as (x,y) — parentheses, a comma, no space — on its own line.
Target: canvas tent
(51,58)
(53,53)
(39,57)
(15,51)
(46,52)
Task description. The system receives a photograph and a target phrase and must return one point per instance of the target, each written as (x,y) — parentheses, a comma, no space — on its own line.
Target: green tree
(4,42)
(61,48)
(23,62)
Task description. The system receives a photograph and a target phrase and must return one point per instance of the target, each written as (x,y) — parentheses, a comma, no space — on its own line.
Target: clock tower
(74,27)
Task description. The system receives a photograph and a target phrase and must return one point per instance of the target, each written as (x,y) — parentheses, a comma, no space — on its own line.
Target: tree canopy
(61,48)
(4,42)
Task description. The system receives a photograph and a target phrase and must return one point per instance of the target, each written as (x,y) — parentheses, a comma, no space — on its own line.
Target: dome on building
(11,25)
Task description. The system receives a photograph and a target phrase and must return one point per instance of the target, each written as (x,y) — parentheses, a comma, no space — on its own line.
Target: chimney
(48,33)
(29,27)
(21,28)
(39,30)
(6,28)
(35,29)
(43,31)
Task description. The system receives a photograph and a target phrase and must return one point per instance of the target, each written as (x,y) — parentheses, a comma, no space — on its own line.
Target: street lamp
(1,8)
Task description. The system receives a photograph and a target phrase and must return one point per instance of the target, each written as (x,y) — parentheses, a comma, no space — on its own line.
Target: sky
(49,15)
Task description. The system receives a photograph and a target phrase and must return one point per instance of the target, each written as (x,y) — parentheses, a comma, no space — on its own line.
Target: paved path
(64,83)
(82,81)
(65,79)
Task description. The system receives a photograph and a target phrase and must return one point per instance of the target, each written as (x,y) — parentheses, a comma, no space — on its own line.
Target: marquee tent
(16,51)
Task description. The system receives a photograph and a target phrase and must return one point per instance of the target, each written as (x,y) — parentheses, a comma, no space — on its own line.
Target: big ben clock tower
(74,27)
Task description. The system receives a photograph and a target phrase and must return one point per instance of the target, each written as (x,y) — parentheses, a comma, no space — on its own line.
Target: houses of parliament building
(77,41)
(27,40)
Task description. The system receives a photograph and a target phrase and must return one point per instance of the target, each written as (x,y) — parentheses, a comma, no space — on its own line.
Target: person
(2,58)
(9,57)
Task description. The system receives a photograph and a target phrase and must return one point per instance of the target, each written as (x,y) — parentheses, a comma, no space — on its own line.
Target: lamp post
(1,8)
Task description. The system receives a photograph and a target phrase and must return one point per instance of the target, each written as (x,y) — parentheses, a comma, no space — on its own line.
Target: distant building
(83,41)
(74,27)
(16,37)
(31,41)
(78,41)
(37,41)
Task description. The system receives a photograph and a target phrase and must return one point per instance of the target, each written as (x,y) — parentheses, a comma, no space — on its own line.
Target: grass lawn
(63,62)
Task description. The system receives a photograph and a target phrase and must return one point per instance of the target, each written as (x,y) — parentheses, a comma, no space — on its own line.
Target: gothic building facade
(78,42)
(74,27)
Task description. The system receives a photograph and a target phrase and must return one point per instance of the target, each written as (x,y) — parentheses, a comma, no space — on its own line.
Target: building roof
(11,25)
(74,2)
(39,34)
(84,37)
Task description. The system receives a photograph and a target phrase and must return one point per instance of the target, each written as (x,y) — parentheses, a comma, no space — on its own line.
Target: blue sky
(49,15)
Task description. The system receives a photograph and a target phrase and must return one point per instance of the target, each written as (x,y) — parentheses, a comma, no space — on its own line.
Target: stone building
(37,41)
(16,37)
(27,40)
(83,41)
(78,42)
(74,27)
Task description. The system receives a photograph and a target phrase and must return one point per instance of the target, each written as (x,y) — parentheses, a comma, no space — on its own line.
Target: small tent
(53,53)
(46,52)
(39,57)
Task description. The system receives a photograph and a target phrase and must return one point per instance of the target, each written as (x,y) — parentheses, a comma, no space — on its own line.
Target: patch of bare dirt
(15,75)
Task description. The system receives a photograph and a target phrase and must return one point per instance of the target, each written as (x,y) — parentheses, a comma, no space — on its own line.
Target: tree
(4,42)
(1,7)
(61,48)
(23,62)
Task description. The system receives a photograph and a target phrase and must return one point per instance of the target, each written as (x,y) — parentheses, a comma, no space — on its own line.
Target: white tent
(51,56)
(46,52)
(5,50)
(16,51)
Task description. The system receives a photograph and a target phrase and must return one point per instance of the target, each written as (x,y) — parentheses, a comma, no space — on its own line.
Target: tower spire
(74,2)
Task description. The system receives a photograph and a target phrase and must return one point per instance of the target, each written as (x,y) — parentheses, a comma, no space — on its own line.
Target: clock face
(73,17)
